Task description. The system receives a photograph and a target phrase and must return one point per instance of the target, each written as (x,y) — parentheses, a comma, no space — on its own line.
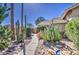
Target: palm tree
(12,20)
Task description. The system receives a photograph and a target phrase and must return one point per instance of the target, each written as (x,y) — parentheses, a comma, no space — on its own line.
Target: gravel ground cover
(14,48)
(45,50)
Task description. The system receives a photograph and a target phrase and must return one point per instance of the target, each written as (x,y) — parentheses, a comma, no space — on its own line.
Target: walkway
(31,47)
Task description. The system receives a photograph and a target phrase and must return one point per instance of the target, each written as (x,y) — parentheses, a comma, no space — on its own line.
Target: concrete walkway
(31,47)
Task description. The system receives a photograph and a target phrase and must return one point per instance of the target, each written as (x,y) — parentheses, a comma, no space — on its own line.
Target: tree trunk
(12,21)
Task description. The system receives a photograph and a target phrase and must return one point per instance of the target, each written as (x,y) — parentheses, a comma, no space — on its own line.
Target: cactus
(18,35)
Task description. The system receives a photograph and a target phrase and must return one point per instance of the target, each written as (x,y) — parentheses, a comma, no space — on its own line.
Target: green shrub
(57,35)
(28,32)
(2,46)
(20,38)
(50,34)
(72,31)
(46,34)
(5,35)
(40,28)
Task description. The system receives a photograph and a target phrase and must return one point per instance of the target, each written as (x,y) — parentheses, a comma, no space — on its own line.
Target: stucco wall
(60,27)
(72,13)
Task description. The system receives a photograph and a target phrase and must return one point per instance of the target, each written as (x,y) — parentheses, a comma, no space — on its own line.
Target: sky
(33,11)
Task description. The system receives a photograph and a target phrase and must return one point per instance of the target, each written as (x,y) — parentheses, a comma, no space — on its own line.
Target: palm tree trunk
(12,21)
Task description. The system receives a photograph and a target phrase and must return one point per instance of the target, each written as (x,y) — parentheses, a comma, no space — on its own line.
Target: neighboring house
(56,22)
(60,22)
(71,12)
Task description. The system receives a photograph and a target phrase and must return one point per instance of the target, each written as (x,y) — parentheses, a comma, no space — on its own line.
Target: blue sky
(33,11)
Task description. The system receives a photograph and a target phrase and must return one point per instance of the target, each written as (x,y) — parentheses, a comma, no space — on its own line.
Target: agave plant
(5,35)
(4,31)
(3,13)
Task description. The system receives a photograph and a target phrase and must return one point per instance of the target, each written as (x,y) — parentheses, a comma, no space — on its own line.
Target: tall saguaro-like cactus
(22,19)
(0,4)
(17,31)
(25,26)
(5,4)
(12,21)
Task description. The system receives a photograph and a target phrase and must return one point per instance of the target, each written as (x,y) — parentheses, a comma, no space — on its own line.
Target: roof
(59,20)
(54,21)
(68,9)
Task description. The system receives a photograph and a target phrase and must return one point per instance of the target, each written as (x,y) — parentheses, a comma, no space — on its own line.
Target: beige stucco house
(60,22)
(56,22)
(71,12)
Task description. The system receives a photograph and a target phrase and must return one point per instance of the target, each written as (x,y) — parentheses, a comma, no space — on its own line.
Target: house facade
(71,12)
(61,21)
(56,22)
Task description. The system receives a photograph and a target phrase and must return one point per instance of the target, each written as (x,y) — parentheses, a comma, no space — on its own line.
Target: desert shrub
(3,46)
(57,35)
(19,34)
(40,28)
(45,34)
(72,31)
(50,34)
(5,35)
(28,32)
(20,38)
